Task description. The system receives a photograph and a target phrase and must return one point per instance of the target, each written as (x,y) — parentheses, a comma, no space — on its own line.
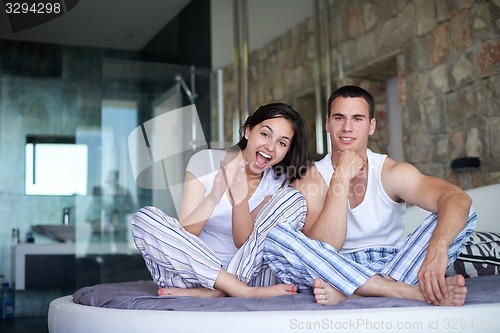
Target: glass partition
(134,93)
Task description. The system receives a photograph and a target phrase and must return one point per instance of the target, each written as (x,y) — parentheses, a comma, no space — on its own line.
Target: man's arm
(327,205)
(403,181)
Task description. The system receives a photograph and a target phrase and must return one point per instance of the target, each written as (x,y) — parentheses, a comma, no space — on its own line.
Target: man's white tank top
(378,220)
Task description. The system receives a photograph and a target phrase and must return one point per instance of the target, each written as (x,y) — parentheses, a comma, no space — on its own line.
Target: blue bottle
(7,298)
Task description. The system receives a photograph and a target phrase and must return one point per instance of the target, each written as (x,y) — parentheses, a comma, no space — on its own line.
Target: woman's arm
(242,220)
(195,207)
(242,223)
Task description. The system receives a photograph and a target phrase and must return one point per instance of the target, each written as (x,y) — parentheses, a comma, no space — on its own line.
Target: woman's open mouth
(262,159)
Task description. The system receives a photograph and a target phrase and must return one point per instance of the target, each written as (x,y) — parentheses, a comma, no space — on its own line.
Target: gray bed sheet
(141,295)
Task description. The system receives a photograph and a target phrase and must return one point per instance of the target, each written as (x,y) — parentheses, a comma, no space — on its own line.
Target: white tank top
(217,233)
(378,220)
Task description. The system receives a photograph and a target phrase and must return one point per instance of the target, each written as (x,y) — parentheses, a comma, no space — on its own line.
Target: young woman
(231,199)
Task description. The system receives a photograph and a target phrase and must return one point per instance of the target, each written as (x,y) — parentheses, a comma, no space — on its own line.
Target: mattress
(141,295)
(133,307)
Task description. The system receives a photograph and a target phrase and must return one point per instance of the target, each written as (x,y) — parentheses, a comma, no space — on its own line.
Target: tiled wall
(44,89)
(55,90)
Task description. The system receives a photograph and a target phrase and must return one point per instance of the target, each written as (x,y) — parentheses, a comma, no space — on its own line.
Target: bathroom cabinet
(44,266)
(56,267)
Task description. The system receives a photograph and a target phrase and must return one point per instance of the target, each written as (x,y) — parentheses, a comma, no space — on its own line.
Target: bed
(134,307)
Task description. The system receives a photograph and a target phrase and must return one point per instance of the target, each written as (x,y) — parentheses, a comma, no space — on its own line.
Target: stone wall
(446,55)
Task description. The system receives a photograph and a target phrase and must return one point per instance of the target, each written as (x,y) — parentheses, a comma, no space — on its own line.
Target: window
(55,166)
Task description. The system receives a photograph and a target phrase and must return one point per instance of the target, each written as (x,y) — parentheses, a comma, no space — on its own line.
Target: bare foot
(195,292)
(383,286)
(229,284)
(275,290)
(457,291)
(326,294)
(266,292)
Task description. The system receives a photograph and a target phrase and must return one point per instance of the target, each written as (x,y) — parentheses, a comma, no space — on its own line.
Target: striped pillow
(480,256)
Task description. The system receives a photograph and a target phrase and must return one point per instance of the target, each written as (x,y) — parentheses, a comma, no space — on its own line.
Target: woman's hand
(257,209)
(218,188)
(239,184)
(238,187)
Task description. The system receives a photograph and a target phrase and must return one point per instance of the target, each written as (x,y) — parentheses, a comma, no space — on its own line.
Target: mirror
(55,166)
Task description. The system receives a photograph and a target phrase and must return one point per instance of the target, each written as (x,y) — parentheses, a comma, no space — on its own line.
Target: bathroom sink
(58,232)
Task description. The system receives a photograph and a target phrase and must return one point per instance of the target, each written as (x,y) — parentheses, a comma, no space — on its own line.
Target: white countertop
(42,249)
(73,248)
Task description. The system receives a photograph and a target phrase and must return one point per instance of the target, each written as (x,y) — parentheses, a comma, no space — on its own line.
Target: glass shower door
(135,95)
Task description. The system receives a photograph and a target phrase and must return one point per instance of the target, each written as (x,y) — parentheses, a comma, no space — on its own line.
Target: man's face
(349,124)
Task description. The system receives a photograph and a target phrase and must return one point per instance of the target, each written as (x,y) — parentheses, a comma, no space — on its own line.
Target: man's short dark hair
(353,91)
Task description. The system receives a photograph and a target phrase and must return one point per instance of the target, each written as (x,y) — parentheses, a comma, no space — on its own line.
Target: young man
(352,241)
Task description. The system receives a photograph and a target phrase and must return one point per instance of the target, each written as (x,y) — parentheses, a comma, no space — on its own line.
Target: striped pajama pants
(177,258)
(297,259)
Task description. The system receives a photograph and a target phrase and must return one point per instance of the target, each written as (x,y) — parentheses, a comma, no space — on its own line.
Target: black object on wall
(465,163)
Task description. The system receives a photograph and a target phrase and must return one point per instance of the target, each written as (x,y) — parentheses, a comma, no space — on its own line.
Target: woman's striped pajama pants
(177,258)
